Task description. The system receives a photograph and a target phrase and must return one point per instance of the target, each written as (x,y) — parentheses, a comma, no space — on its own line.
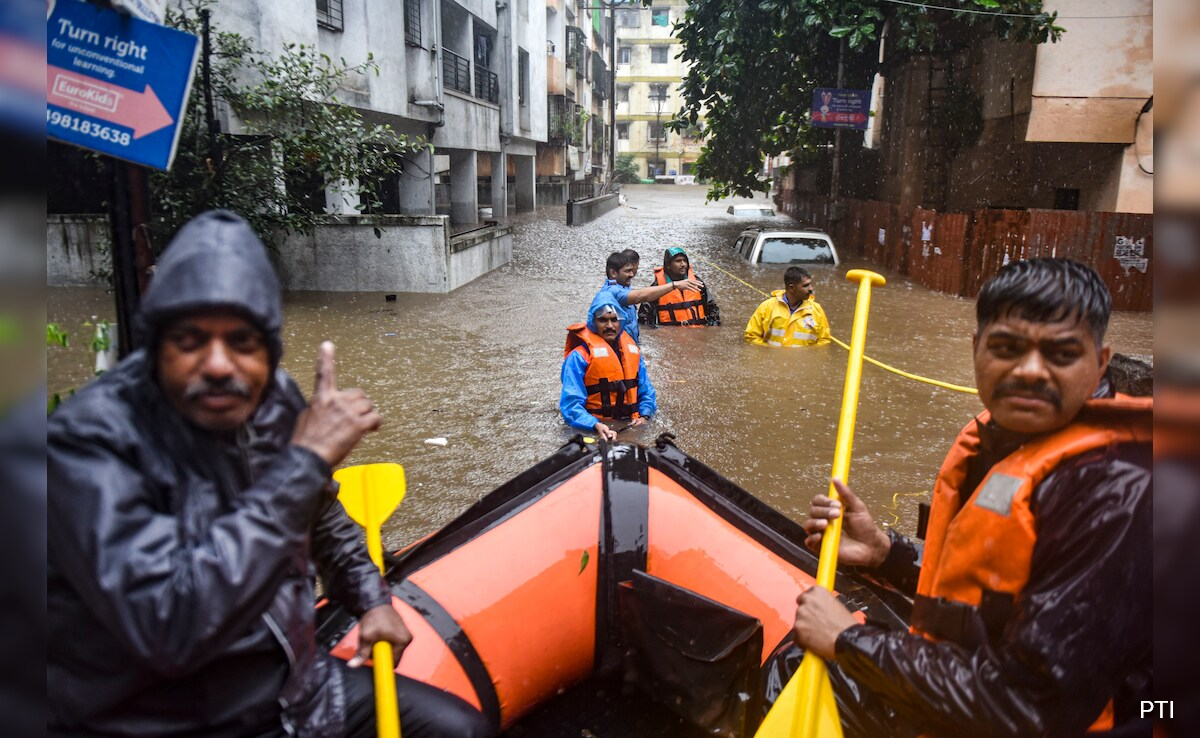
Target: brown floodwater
(480,366)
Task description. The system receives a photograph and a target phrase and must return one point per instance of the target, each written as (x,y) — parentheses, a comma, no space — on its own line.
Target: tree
(626,169)
(753,65)
(298,139)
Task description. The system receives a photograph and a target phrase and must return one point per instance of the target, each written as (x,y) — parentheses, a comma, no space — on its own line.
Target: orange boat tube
(603,558)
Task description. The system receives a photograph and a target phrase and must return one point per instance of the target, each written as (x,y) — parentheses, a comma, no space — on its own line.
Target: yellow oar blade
(384,483)
(779,721)
(370,493)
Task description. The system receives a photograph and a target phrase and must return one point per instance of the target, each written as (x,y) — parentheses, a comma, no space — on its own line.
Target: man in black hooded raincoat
(190,506)
(1032,610)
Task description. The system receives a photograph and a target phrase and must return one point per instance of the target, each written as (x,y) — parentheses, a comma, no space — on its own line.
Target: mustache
(1040,390)
(226,386)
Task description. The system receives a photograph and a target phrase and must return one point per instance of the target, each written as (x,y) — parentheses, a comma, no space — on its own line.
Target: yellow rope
(880,364)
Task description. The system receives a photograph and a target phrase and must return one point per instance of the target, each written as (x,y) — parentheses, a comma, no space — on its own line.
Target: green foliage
(752,68)
(55,335)
(626,169)
(298,138)
(570,127)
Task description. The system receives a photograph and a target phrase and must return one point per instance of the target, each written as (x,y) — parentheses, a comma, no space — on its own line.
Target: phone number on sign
(87,127)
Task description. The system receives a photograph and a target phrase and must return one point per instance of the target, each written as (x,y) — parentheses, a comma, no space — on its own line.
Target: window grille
(623,131)
(329,14)
(412,22)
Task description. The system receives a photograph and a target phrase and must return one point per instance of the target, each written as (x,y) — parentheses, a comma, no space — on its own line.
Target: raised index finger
(326,381)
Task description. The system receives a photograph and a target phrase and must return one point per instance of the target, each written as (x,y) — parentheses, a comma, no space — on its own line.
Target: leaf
(583,562)
(840,31)
(988,3)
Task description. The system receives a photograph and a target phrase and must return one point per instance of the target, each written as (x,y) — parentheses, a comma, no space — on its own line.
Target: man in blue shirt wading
(621,271)
(603,376)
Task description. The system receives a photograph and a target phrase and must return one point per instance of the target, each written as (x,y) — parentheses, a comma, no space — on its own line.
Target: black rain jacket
(181,564)
(1079,634)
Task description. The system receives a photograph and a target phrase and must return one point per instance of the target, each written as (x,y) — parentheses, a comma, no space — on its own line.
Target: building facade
(575,159)
(648,76)
(1065,125)
(470,76)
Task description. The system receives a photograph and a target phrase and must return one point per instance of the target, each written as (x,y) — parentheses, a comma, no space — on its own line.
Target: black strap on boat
(458,643)
(624,525)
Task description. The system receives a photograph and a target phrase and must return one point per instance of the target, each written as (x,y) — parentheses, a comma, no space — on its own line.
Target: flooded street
(480,366)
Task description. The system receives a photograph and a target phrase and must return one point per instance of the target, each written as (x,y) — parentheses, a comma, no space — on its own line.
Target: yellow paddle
(806,708)
(370,493)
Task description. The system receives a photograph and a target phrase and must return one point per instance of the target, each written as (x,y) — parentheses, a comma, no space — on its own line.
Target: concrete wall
(474,254)
(1089,86)
(414,254)
(585,211)
(77,250)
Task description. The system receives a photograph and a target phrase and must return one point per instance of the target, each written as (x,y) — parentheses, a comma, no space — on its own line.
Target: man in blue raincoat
(604,379)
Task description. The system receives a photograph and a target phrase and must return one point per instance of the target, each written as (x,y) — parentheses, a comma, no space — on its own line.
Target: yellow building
(648,75)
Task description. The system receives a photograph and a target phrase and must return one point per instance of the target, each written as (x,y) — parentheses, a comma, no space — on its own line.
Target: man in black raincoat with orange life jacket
(191,506)
(1032,594)
(683,306)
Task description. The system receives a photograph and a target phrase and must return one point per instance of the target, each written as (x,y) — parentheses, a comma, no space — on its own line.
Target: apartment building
(648,76)
(575,159)
(468,75)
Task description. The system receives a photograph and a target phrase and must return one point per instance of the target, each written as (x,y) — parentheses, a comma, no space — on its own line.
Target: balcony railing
(487,85)
(456,72)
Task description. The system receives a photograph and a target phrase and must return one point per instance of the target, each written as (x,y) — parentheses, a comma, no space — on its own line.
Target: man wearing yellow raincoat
(790,316)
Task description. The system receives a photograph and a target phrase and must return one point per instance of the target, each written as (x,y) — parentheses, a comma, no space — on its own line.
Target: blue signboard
(833,108)
(116,84)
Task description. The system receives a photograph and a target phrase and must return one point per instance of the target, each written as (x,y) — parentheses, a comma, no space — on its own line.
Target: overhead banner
(834,108)
(117,84)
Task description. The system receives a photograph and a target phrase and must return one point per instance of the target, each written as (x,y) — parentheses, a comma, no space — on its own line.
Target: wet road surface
(480,366)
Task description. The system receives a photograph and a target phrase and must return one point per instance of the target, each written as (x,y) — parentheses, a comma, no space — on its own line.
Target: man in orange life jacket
(683,306)
(1032,594)
(604,379)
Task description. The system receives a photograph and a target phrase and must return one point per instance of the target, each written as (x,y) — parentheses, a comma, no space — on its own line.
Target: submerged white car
(779,246)
(750,210)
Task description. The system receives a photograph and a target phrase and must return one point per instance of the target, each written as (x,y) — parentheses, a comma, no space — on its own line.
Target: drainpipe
(507,113)
(439,103)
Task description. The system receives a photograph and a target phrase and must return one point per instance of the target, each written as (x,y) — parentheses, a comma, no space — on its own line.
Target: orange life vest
(978,554)
(611,379)
(679,307)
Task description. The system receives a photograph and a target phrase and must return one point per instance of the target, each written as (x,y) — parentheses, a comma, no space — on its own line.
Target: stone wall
(77,250)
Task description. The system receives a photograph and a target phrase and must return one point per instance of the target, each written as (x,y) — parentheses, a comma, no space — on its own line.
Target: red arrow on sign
(141,111)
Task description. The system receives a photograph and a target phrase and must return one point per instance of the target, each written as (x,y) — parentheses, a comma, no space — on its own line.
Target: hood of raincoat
(671,253)
(603,298)
(215,261)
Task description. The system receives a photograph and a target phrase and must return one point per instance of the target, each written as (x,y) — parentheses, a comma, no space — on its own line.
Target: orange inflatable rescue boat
(611,590)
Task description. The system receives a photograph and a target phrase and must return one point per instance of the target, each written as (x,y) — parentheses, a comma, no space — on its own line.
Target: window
(622,93)
(623,131)
(659,16)
(412,22)
(793,250)
(628,18)
(329,14)
(657,131)
(656,167)
(624,54)
(658,54)
(522,76)
(658,93)
(1066,198)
